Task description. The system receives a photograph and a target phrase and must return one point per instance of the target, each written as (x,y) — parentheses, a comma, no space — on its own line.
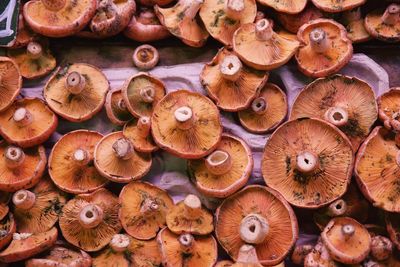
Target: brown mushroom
(7,229)
(116,108)
(145,57)
(389,109)
(292,22)
(319,256)
(335,6)
(285,6)
(393,228)
(300,252)
(4,208)
(138,131)
(355,26)
(10,82)
(381,248)
(384,24)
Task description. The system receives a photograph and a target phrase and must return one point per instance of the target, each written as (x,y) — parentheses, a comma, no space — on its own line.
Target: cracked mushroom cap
(138,131)
(76,92)
(7,229)
(225,170)
(389,109)
(10,82)
(259,47)
(89,221)
(308,161)
(186,124)
(143,209)
(59,18)
(346,102)
(355,26)
(267,110)
(285,6)
(229,83)
(259,216)
(292,22)
(325,48)
(334,6)
(116,108)
(4,200)
(393,227)
(384,24)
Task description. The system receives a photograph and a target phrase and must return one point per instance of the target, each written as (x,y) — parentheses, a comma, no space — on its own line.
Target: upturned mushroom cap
(25,245)
(116,108)
(389,109)
(89,221)
(138,131)
(257,45)
(384,24)
(393,228)
(285,6)
(116,159)
(325,48)
(225,170)
(62,256)
(7,229)
(145,57)
(259,216)
(334,6)
(355,26)
(266,111)
(10,82)
(76,92)
(229,83)
(59,18)
(346,102)
(292,22)
(4,200)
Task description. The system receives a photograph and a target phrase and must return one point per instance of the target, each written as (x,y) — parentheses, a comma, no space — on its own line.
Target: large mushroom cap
(186,124)
(71,163)
(89,221)
(325,48)
(334,6)
(225,170)
(266,111)
(292,22)
(309,162)
(355,26)
(143,209)
(259,216)
(285,6)
(59,18)
(384,24)
(346,102)
(116,109)
(393,228)
(76,92)
(7,229)
(139,132)
(229,83)
(10,82)
(4,208)
(61,256)
(389,109)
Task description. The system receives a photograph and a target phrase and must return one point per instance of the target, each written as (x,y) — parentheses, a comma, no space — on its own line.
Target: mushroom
(319,256)
(59,18)
(339,100)
(186,124)
(116,159)
(259,216)
(292,22)
(76,92)
(285,6)
(4,208)
(145,57)
(7,229)
(89,221)
(10,82)
(336,6)
(229,83)
(24,34)
(259,47)
(384,24)
(389,109)
(393,228)
(225,170)
(300,252)
(181,21)
(138,131)
(267,110)
(325,48)
(116,108)
(143,209)
(381,247)
(355,26)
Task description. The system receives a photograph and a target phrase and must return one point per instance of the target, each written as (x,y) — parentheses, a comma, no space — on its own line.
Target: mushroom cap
(292,22)
(378,29)
(393,227)
(7,229)
(334,6)
(61,256)
(231,95)
(117,114)
(145,57)
(22,248)
(140,142)
(82,106)
(223,185)
(265,202)
(389,108)
(285,6)
(10,82)
(4,208)
(337,55)
(276,110)
(285,34)
(203,134)
(90,239)
(143,209)
(71,19)
(357,32)
(319,146)
(346,247)
(355,97)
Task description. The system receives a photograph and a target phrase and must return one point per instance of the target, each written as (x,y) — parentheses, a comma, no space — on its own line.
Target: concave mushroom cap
(346,102)
(285,6)
(355,26)
(347,240)
(116,108)
(59,18)
(89,221)
(393,227)
(61,256)
(25,245)
(7,229)
(143,209)
(138,131)
(4,208)
(145,57)
(384,24)
(260,216)
(389,109)
(259,47)
(224,171)
(186,124)
(334,6)
(76,92)
(313,165)
(186,249)
(292,22)
(229,83)
(10,82)
(325,48)
(266,111)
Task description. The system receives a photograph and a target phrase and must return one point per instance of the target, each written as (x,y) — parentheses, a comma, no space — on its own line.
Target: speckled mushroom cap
(393,227)
(384,24)
(355,26)
(229,83)
(7,229)
(325,48)
(259,216)
(76,92)
(346,102)
(138,131)
(292,22)
(285,6)
(186,124)
(334,6)
(4,200)
(116,108)
(10,82)
(308,161)
(389,109)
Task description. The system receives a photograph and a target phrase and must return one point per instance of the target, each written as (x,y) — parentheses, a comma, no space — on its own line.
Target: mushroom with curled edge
(300,252)
(259,216)
(335,6)
(285,6)
(355,26)
(393,227)
(319,256)
(5,198)
(384,25)
(116,108)
(8,227)
(145,57)
(292,22)
(138,131)
(389,111)
(10,82)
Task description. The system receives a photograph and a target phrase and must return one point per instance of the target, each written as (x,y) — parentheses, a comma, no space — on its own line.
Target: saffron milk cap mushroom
(5,198)
(10,82)
(384,24)
(116,108)
(138,131)
(389,109)
(145,57)
(333,6)
(355,26)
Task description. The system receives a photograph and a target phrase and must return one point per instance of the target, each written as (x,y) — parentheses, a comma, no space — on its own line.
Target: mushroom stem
(337,208)
(14,156)
(306,162)
(186,241)
(337,116)
(248,254)
(123,149)
(192,206)
(22,117)
(391,15)
(147,94)
(121,105)
(144,126)
(75,83)
(254,229)
(54,5)
(184,117)
(234,9)
(219,162)
(34,50)
(264,30)
(91,216)
(352,15)
(231,68)
(149,206)
(259,105)
(318,40)
(24,199)
(120,242)
(259,15)
(81,156)
(191,7)
(381,247)
(348,231)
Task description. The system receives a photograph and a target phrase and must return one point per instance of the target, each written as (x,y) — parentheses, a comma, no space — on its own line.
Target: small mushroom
(355,27)
(267,110)
(389,109)
(285,6)
(300,252)
(319,257)
(145,57)
(259,47)
(381,248)
(384,24)
(138,131)
(325,48)
(116,108)
(225,170)
(259,216)
(292,22)
(336,6)
(10,82)
(7,229)
(89,221)
(4,208)
(393,228)
(229,83)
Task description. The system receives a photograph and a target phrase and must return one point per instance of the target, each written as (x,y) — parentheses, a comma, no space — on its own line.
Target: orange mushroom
(285,6)
(355,26)
(139,132)
(10,82)
(319,256)
(4,208)
(143,209)
(393,228)
(384,24)
(145,57)
(116,108)
(230,84)
(7,229)
(389,109)
(334,6)
(292,22)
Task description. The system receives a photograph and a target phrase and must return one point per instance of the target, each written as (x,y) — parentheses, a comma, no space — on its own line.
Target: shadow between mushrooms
(384,24)
(138,131)
(285,6)
(8,227)
(116,108)
(335,6)
(10,82)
